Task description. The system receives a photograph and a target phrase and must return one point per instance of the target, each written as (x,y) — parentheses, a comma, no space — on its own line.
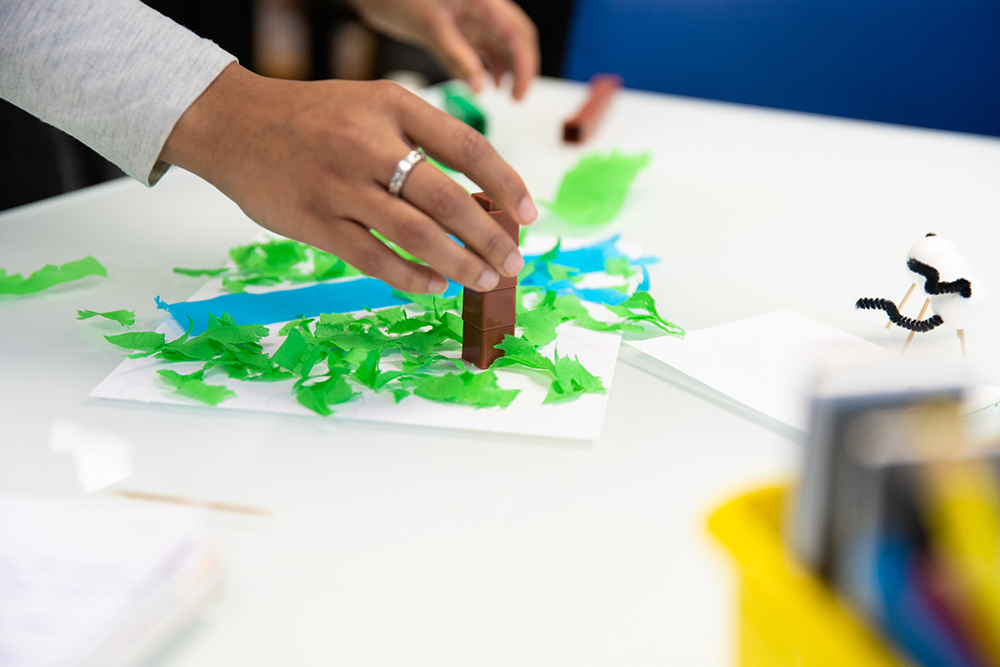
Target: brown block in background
(490,310)
(478,346)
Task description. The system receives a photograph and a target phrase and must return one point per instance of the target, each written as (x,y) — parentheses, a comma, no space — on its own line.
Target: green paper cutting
(572,379)
(319,396)
(276,261)
(49,276)
(620,266)
(593,192)
(126,318)
(192,386)
(195,273)
(480,390)
(644,301)
(144,341)
(520,352)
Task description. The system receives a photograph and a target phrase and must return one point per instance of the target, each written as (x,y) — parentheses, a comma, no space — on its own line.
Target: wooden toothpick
(903,302)
(961,337)
(909,339)
(177,500)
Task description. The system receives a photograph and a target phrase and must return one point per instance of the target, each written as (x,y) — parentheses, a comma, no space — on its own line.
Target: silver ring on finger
(403,170)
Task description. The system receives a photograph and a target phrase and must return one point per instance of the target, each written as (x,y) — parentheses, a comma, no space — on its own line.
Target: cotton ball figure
(957,297)
(959,312)
(922,250)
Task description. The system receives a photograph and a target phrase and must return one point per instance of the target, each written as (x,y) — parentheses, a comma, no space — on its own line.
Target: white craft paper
(767,362)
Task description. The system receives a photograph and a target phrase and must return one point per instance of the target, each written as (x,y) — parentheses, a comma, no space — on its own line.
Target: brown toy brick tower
(489,316)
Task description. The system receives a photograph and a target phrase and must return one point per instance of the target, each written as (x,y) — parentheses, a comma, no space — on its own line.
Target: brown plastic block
(501,218)
(478,346)
(490,310)
(580,127)
(483,200)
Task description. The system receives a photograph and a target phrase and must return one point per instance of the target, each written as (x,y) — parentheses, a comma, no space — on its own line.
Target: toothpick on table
(176,500)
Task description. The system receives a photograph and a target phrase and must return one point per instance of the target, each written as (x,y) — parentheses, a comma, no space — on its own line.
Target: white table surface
(398,546)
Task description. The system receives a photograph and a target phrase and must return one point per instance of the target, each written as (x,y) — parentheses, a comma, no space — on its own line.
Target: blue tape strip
(353,295)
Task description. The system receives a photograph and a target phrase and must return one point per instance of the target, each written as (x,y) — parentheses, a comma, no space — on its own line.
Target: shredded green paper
(49,276)
(593,192)
(126,318)
(274,261)
(399,351)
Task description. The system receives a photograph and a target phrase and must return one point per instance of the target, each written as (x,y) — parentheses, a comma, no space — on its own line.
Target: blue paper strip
(360,293)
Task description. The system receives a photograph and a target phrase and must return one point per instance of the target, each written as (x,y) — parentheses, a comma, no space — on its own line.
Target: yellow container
(788,618)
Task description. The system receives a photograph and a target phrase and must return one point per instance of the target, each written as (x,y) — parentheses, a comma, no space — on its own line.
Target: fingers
(447,203)
(419,234)
(356,246)
(526,59)
(457,145)
(457,55)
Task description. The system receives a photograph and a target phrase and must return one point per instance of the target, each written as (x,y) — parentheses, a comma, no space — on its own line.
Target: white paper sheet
(766,362)
(85,584)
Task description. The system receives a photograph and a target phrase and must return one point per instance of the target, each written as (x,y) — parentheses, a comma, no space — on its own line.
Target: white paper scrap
(101,458)
(767,362)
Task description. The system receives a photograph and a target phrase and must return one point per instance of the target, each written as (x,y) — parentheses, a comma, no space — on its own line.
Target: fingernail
(513,264)
(476,82)
(437,285)
(489,280)
(527,210)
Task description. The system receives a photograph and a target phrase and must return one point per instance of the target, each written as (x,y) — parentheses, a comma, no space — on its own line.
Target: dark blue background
(930,63)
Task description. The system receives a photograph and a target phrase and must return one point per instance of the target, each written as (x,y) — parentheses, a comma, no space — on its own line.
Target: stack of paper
(84,585)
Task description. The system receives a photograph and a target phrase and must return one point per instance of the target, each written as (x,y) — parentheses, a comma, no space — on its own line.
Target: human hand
(461,33)
(311,161)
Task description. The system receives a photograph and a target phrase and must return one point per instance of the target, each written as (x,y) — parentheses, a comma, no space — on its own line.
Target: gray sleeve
(115,74)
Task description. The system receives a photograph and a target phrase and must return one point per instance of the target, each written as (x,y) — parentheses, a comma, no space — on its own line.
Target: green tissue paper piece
(572,379)
(126,318)
(479,390)
(521,352)
(279,260)
(619,266)
(431,301)
(319,396)
(194,387)
(369,375)
(50,275)
(195,273)
(144,341)
(462,106)
(643,301)
(592,192)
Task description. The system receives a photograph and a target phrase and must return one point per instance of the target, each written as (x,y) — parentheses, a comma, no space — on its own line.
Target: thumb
(457,55)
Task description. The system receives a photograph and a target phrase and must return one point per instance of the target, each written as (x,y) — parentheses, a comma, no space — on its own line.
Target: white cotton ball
(951,265)
(959,312)
(929,245)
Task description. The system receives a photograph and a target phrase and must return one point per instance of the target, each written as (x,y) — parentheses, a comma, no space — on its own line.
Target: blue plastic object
(929,63)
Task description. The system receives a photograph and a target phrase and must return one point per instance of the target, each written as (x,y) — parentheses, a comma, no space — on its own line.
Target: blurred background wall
(929,63)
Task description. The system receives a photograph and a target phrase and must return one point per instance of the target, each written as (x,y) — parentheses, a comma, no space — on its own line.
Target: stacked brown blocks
(489,316)
(580,127)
